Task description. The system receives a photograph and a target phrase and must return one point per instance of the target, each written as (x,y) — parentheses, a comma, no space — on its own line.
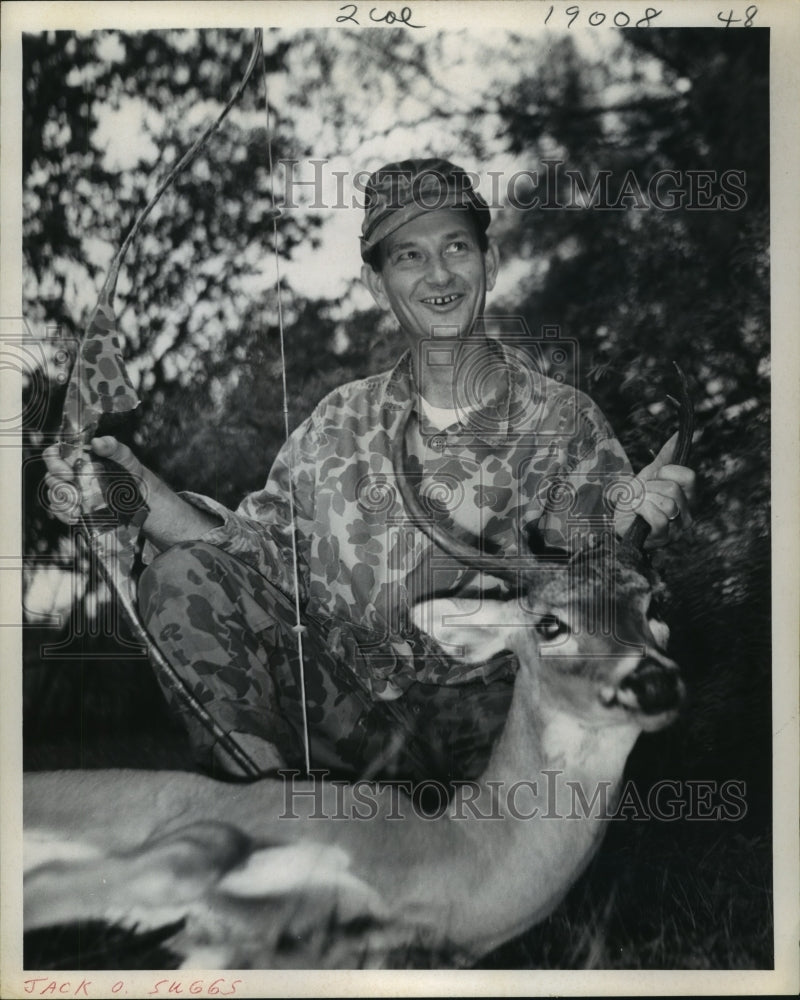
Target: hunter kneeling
(489,439)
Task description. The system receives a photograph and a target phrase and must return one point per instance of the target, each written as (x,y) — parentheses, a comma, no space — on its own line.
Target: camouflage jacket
(541,453)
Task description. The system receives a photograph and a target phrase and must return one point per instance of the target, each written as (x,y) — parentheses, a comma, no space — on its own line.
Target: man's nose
(438,271)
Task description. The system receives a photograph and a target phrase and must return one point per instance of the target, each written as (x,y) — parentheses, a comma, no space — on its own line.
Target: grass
(684,895)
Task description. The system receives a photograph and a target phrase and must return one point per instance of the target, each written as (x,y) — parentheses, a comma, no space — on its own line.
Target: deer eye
(550,627)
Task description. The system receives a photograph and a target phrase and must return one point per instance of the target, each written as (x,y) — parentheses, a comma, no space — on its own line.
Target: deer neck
(543,802)
(541,734)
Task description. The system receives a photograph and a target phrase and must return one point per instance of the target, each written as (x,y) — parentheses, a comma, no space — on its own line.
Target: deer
(242,864)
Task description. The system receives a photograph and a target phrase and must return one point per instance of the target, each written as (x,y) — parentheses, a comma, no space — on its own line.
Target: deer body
(498,860)
(474,882)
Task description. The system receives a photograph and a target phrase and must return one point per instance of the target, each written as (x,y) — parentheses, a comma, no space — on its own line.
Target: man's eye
(406,255)
(457,246)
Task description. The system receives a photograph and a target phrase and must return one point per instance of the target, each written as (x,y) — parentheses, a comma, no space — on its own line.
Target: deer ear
(472,628)
(660,631)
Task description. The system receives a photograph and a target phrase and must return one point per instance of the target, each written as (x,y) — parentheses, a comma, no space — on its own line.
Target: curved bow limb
(99,384)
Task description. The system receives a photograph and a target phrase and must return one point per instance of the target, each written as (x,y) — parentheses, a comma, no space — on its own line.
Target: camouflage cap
(399,192)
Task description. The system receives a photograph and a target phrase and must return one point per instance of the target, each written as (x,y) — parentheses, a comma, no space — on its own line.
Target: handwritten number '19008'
(404,17)
(620,19)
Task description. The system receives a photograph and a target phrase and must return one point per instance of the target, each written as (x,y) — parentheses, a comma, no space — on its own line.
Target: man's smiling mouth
(440,300)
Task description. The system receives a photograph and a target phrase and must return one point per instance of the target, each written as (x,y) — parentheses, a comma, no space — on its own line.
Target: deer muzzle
(653,690)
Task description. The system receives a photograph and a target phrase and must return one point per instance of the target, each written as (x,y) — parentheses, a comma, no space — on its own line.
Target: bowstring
(298,627)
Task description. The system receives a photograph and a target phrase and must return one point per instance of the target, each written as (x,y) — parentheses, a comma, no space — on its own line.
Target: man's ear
(374,282)
(492,264)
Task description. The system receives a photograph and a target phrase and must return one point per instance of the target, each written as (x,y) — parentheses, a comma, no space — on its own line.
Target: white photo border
(784,20)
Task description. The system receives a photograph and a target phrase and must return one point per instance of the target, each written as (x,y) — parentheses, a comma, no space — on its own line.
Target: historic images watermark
(552,186)
(550,796)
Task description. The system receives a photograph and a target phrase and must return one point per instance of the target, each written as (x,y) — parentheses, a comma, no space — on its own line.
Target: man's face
(434,274)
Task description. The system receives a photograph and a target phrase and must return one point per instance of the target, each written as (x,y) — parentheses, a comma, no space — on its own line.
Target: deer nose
(653,687)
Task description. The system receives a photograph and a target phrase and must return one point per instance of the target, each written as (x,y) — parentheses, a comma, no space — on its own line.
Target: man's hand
(67,484)
(170,519)
(667,495)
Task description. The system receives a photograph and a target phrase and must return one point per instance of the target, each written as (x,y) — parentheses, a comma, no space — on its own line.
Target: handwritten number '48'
(749,14)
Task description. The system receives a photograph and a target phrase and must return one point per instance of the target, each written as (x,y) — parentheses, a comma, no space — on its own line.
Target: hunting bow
(99,367)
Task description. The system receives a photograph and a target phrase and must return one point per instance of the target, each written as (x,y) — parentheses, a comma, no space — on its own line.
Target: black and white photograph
(400,443)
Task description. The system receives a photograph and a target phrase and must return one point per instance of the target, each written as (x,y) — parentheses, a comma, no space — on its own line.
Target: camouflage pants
(229,633)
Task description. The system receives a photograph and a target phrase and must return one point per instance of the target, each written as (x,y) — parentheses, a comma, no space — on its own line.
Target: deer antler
(636,535)
(502,566)
(472,557)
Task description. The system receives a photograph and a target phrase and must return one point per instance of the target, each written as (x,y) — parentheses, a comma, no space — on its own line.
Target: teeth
(441,300)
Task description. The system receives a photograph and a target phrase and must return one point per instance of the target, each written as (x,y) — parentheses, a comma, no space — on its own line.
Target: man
(498,444)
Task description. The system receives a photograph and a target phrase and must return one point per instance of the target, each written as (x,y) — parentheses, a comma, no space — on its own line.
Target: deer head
(588,619)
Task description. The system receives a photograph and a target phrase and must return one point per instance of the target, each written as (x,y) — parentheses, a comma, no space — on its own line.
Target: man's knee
(208,582)
(181,568)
